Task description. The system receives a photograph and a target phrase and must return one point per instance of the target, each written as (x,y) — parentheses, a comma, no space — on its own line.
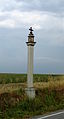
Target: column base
(30,92)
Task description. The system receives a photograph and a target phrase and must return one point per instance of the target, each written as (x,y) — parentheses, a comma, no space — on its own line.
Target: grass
(12,78)
(14,103)
(52,84)
(22,78)
(17,81)
(11,87)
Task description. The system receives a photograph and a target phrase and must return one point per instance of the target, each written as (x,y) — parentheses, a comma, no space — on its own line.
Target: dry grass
(53,83)
(11,87)
(15,104)
(56,84)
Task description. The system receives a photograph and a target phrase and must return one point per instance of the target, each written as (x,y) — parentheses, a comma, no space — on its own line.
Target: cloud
(27,5)
(49,25)
(43,5)
(39,20)
(36,13)
(9,5)
(47,17)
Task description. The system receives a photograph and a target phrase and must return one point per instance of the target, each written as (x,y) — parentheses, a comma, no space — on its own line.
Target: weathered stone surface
(30,90)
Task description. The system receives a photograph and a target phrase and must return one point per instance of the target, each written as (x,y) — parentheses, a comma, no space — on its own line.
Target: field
(14,104)
(21,78)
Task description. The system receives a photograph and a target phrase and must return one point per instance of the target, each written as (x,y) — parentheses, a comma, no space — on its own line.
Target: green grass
(12,78)
(16,105)
(22,78)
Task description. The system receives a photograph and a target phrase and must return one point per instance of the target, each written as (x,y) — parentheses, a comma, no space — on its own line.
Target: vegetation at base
(22,78)
(16,105)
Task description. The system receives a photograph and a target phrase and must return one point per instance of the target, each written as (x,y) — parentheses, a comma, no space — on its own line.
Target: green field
(22,78)
(14,103)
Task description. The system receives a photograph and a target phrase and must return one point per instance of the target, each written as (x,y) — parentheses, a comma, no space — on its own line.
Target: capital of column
(30,44)
(30,38)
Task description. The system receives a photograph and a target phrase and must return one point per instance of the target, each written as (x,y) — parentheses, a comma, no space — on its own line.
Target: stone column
(30,67)
(30,89)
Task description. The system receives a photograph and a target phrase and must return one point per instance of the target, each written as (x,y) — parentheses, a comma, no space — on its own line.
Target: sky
(47,19)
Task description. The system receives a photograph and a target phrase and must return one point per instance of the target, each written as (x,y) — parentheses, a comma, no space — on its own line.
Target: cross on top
(31,30)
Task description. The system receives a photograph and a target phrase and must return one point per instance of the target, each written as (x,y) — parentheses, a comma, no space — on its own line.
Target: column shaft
(30,66)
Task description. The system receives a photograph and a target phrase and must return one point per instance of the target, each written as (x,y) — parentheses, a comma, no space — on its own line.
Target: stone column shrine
(30,44)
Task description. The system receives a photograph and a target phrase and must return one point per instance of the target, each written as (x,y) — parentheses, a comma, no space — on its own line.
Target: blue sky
(47,19)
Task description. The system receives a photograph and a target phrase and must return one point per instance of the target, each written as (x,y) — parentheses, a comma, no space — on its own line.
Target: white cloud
(7,23)
(11,16)
(10,5)
(39,20)
(27,5)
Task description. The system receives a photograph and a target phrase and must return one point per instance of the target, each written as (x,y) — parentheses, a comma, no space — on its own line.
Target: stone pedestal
(30,92)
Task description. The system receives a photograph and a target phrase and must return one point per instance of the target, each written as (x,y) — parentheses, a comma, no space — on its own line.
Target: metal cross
(31,30)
